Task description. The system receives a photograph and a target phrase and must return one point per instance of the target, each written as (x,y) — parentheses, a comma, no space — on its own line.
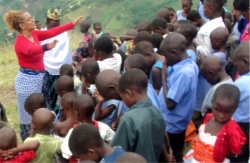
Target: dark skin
(160,30)
(189,43)
(98,29)
(211,11)
(219,38)
(52,24)
(186,6)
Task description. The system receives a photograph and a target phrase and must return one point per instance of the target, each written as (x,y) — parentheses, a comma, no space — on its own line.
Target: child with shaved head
(164,13)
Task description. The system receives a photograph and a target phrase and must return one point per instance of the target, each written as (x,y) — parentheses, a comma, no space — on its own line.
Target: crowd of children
(180,81)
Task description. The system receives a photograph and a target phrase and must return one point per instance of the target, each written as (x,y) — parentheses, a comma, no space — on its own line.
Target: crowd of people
(175,89)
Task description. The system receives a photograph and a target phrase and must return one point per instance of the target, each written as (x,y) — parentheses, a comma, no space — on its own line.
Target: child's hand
(97,96)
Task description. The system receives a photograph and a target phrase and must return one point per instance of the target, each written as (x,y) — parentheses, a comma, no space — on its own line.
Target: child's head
(64,84)
(143,36)
(228,25)
(66,69)
(172,12)
(195,17)
(229,16)
(218,38)
(42,121)
(130,157)
(90,69)
(244,8)
(144,26)
(2,124)
(164,13)
(159,25)
(189,31)
(91,48)
(225,102)
(241,58)
(33,102)
(142,48)
(86,143)
(170,27)
(186,5)
(213,8)
(180,23)
(38,24)
(106,83)
(84,26)
(67,103)
(97,27)
(132,86)
(157,39)
(8,138)
(173,48)
(103,47)
(84,106)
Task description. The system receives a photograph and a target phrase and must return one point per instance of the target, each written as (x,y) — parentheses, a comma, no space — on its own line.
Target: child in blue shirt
(186,7)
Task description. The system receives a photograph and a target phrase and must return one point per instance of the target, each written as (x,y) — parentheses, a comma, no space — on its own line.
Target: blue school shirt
(113,156)
(202,89)
(179,16)
(182,83)
(192,54)
(158,64)
(242,112)
(222,56)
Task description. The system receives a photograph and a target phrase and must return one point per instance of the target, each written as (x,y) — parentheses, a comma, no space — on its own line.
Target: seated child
(159,25)
(154,61)
(189,31)
(157,39)
(142,36)
(219,135)
(165,14)
(195,18)
(84,28)
(10,152)
(42,122)
(130,157)
(128,41)
(85,138)
(170,27)
(84,106)
(104,48)
(186,7)
(61,128)
(97,33)
(180,23)
(134,134)
(218,39)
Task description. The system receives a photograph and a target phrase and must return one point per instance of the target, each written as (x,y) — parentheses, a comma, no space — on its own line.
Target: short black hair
(181,22)
(133,79)
(244,5)
(104,44)
(131,157)
(229,16)
(137,61)
(85,104)
(85,24)
(37,21)
(170,27)
(123,55)
(84,137)
(106,34)
(91,43)
(143,48)
(188,30)
(34,101)
(193,15)
(159,23)
(157,39)
(143,36)
(171,9)
(2,124)
(69,98)
(97,24)
(66,69)
(236,4)
(64,83)
(227,92)
(90,66)
(218,3)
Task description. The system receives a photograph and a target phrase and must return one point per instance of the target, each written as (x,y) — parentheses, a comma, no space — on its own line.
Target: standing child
(86,138)
(97,33)
(219,135)
(159,25)
(189,31)
(134,133)
(186,7)
(33,102)
(84,28)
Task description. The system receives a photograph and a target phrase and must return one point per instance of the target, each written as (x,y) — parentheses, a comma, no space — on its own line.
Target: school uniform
(141,130)
(182,83)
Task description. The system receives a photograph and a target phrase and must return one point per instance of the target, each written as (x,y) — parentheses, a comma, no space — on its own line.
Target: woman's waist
(31,71)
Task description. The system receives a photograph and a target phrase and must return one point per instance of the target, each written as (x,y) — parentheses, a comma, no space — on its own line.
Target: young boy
(219,37)
(212,10)
(42,122)
(164,13)
(180,23)
(175,94)
(130,157)
(154,63)
(212,70)
(38,25)
(142,36)
(170,27)
(241,116)
(189,31)
(195,18)
(61,128)
(84,28)
(33,102)
(159,25)
(86,138)
(97,33)
(145,137)
(104,48)
(90,70)
(186,7)
(157,39)
(144,26)
(84,107)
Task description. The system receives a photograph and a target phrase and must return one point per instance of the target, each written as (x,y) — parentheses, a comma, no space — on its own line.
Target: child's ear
(211,73)
(113,87)
(129,93)
(174,52)
(246,62)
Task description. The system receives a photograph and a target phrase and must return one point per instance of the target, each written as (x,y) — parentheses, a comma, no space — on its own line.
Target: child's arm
(156,76)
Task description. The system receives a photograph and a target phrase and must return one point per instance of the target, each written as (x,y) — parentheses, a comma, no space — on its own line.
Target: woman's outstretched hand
(78,20)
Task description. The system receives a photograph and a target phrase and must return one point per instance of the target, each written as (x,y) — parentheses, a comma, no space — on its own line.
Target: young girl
(219,135)
(186,7)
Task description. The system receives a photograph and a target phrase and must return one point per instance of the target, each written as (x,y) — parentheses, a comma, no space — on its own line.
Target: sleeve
(66,153)
(125,136)
(204,47)
(113,102)
(109,134)
(25,156)
(79,88)
(179,88)
(45,34)
(27,48)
